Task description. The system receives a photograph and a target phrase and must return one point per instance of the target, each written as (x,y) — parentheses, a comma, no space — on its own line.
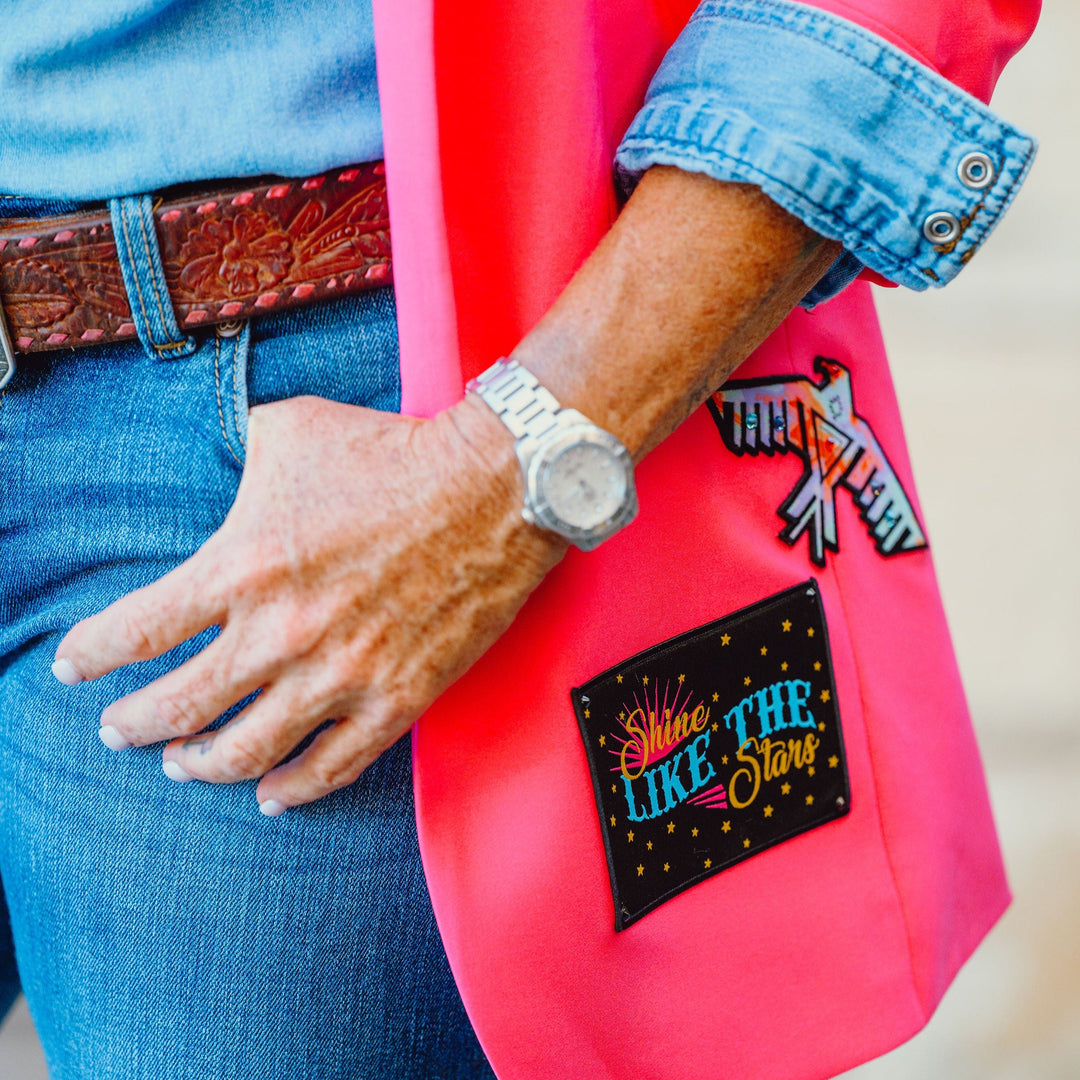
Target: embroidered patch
(711,747)
(818,423)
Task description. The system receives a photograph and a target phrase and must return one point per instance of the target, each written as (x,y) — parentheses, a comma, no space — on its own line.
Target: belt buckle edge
(7,352)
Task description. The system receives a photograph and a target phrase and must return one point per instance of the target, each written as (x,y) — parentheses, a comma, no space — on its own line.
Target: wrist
(483,453)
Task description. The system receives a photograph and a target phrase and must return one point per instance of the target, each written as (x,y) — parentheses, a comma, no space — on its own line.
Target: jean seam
(149,251)
(220,409)
(237,427)
(235,399)
(914,73)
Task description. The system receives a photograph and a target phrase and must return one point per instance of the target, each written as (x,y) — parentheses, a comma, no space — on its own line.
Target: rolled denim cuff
(845,131)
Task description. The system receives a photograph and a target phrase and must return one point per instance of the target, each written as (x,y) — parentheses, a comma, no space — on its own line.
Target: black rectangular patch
(711,747)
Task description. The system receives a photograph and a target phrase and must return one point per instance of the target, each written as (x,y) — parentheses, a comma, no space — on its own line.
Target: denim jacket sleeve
(840,127)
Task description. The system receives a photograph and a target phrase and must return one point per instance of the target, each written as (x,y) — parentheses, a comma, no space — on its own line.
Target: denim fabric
(134,95)
(165,930)
(838,126)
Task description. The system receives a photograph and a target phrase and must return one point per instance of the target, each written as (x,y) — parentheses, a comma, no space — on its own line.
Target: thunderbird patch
(817,422)
(712,747)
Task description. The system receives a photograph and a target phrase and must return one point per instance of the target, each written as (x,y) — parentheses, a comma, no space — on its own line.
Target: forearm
(693,276)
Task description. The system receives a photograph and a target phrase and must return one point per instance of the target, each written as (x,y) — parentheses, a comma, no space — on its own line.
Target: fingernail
(271,808)
(65,671)
(175,771)
(112,738)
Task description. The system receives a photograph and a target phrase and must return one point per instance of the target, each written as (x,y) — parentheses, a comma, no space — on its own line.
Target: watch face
(585,485)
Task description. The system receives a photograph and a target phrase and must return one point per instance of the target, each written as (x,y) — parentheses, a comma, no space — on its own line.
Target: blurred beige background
(988,372)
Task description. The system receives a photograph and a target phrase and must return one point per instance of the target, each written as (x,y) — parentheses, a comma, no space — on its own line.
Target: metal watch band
(515,395)
(545,433)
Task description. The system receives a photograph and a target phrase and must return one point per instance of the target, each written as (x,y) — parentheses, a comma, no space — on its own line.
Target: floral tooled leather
(226,255)
(238,256)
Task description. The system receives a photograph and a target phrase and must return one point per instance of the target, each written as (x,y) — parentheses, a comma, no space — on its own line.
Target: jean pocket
(231,389)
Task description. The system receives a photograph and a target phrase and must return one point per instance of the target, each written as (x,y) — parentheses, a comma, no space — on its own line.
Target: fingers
(143,624)
(254,741)
(189,698)
(335,758)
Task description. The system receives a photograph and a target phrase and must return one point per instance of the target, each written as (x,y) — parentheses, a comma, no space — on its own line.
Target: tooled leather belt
(228,255)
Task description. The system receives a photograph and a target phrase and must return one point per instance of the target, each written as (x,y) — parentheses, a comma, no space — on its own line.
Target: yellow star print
(708,863)
(614,789)
(809,631)
(694,831)
(622,715)
(726,827)
(810,770)
(716,726)
(640,870)
(630,836)
(817,665)
(785,625)
(764,650)
(783,666)
(746,681)
(613,821)
(681,678)
(821,726)
(768,811)
(833,761)
(716,696)
(645,679)
(725,639)
(670,827)
(809,800)
(586,714)
(723,760)
(785,789)
(602,740)
(825,695)
(746,842)
(667,867)
(618,678)
(649,845)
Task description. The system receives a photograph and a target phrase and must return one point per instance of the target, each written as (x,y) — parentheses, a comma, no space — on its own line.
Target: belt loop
(144,278)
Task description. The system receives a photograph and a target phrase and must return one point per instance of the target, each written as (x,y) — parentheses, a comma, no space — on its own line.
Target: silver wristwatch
(579,479)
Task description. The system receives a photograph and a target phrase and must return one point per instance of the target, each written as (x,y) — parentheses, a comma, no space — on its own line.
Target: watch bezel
(539,510)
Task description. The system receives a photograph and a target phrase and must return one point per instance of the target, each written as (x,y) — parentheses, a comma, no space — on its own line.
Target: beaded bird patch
(817,422)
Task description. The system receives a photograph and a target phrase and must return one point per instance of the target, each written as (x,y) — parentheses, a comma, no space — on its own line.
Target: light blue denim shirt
(100,99)
(842,129)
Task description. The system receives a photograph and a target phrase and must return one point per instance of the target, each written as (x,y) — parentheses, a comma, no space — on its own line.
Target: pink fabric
(831,947)
(967,41)
(430,370)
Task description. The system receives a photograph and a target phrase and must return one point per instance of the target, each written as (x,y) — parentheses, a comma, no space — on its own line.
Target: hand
(368,560)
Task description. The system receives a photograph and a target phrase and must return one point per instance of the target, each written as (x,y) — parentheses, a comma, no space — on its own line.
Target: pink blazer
(501,120)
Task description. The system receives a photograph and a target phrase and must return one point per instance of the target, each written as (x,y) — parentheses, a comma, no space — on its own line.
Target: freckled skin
(370,559)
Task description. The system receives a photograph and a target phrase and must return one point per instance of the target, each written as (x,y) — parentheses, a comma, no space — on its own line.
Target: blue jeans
(172,931)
